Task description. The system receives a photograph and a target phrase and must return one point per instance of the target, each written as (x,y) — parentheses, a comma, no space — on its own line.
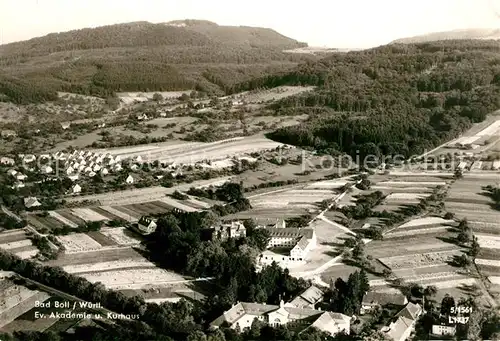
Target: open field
(18,243)
(78,242)
(109,266)
(16,300)
(192,152)
(304,198)
(121,236)
(133,278)
(419,260)
(134,196)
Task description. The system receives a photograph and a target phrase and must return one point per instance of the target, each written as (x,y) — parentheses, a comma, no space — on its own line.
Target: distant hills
(142,56)
(451,35)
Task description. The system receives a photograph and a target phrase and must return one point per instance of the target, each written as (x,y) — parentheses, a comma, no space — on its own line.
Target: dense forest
(142,56)
(392,99)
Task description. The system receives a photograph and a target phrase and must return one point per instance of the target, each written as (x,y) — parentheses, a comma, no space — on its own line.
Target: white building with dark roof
(288,245)
(402,327)
(31,202)
(242,315)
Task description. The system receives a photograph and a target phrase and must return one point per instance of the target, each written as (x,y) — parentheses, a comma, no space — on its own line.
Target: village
(91,210)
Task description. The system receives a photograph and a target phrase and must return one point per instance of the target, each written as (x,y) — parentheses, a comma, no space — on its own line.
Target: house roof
(303,242)
(328,318)
(399,328)
(240,309)
(290,232)
(31,202)
(410,311)
(257,309)
(313,294)
(383,298)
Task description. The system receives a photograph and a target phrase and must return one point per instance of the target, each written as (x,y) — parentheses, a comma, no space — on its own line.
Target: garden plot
(16,300)
(174,203)
(419,260)
(120,214)
(328,184)
(12,236)
(16,245)
(426,222)
(138,195)
(419,231)
(109,266)
(134,278)
(27,254)
(292,197)
(88,215)
(66,213)
(62,219)
(410,245)
(488,241)
(488,262)
(411,183)
(193,152)
(120,236)
(78,242)
(405,197)
(103,255)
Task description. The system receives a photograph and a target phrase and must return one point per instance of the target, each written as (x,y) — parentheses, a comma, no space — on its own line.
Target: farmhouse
(7,161)
(129,180)
(31,202)
(65,125)
(401,328)
(234,229)
(309,298)
(12,172)
(242,315)
(76,189)
(374,299)
(146,225)
(444,330)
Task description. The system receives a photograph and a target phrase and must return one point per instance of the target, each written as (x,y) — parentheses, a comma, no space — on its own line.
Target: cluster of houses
(299,314)
(403,323)
(302,312)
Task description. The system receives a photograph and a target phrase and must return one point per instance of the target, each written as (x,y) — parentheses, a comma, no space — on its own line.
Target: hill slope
(451,35)
(399,99)
(241,35)
(142,56)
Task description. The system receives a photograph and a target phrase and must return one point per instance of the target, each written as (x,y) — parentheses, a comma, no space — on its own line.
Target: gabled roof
(290,232)
(311,295)
(303,242)
(31,202)
(399,328)
(240,309)
(410,311)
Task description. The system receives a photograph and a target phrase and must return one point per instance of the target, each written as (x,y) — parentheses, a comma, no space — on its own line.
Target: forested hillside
(241,35)
(142,56)
(392,99)
(480,33)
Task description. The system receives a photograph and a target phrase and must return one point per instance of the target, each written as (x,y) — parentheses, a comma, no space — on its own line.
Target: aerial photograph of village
(254,172)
